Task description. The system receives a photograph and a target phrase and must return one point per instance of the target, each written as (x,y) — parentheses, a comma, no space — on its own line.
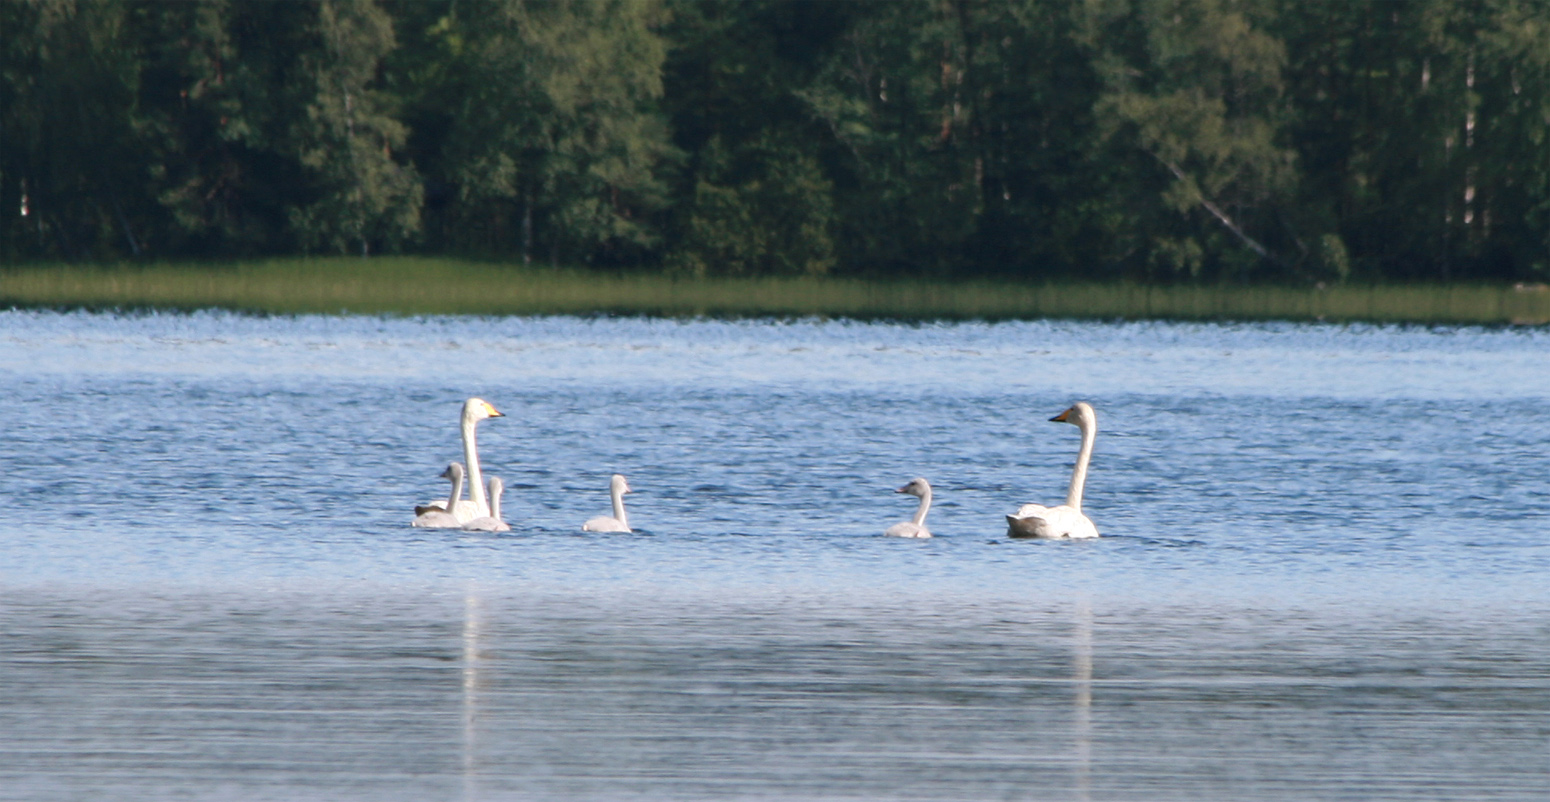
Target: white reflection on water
(1083,675)
(385,694)
(471,660)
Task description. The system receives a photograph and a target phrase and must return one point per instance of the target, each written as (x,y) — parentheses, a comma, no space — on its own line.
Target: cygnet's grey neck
(495,499)
(457,490)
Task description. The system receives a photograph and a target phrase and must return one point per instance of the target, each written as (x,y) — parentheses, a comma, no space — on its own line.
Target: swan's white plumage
(1066,520)
(465,510)
(491,522)
(907,529)
(619,522)
(915,527)
(1037,520)
(435,516)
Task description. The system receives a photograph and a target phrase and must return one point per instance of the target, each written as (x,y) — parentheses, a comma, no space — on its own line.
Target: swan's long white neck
(925,506)
(617,494)
(471,457)
(495,502)
(1079,474)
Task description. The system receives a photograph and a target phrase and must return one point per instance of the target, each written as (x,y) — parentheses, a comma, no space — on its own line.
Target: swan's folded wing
(1027,525)
(1028,521)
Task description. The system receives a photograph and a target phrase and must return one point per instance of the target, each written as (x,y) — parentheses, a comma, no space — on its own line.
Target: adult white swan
(915,527)
(474,410)
(617,487)
(436,516)
(491,522)
(1066,520)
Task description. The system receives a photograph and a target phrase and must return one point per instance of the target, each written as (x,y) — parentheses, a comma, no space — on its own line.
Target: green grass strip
(425,286)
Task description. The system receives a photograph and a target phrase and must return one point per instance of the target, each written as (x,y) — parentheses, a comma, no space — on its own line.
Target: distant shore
(436,286)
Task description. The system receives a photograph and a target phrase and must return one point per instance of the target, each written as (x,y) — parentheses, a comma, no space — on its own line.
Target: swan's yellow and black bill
(1064,416)
(492,411)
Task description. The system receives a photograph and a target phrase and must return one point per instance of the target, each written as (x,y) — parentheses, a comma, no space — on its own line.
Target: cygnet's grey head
(496,486)
(454,471)
(916,487)
(618,484)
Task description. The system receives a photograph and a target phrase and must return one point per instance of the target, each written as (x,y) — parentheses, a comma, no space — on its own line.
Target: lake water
(1325,570)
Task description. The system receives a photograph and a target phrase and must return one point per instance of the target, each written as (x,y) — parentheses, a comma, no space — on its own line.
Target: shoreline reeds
(436,286)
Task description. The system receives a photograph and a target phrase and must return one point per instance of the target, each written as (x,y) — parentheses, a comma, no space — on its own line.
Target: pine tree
(555,143)
(68,152)
(1197,86)
(755,196)
(346,135)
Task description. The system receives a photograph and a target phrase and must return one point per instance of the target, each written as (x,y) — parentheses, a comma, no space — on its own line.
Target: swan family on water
(483,513)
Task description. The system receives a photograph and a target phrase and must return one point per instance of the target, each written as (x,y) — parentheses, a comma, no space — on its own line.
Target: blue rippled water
(1323,574)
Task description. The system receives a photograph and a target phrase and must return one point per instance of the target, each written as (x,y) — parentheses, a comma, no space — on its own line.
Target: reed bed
(421,286)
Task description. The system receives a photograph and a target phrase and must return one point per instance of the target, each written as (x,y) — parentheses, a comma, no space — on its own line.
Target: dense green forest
(1151,140)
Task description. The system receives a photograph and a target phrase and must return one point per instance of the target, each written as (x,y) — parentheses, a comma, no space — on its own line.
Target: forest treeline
(1153,140)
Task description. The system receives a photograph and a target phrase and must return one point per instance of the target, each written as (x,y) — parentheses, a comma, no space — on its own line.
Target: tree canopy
(1160,140)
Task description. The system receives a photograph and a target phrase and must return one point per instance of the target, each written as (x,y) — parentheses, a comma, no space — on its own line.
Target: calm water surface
(1325,571)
